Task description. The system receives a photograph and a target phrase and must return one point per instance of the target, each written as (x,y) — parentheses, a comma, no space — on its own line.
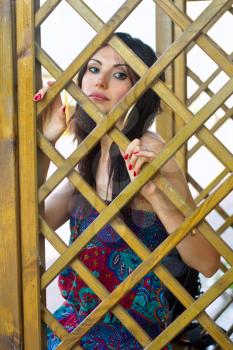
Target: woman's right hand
(54,117)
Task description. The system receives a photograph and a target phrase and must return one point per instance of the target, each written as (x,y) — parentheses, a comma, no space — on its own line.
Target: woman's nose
(102,81)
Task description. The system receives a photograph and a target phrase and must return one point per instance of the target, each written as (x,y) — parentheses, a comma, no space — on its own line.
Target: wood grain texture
(28,174)
(10,271)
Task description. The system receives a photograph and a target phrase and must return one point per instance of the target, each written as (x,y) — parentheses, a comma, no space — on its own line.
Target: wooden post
(10,289)
(28,174)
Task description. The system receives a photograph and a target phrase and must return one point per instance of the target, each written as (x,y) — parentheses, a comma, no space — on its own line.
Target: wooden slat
(103,35)
(10,272)
(220,122)
(28,174)
(148,265)
(164,38)
(223,227)
(44,11)
(183,296)
(213,184)
(138,89)
(194,310)
(144,176)
(219,209)
(205,42)
(96,286)
(180,90)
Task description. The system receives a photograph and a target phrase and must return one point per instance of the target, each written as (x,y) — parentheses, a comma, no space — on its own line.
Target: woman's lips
(98,97)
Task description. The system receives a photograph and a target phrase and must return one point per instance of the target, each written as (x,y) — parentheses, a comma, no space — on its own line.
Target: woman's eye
(121,75)
(93,69)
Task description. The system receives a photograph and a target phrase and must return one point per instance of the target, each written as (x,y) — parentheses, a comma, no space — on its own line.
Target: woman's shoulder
(154,140)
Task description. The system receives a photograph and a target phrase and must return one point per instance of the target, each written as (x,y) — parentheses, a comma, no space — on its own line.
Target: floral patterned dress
(111,260)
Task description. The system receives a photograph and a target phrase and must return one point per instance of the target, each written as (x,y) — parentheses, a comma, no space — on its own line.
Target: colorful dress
(111,260)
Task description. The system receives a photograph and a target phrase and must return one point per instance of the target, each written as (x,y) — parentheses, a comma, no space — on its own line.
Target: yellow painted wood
(182,295)
(211,294)
(44,11)
(128,100)
(10,272)
(28,174)
(96,286)
(203,86)
(147,172)
(218,208)
(193,311)
(205,43)
(219,123)
(213,184)
(227,223)
(180,89)
(93,45)
(150,263)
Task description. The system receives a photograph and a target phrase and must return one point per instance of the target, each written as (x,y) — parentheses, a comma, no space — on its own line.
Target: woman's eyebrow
(115,65)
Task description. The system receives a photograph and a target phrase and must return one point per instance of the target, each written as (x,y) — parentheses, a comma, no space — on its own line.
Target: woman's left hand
(136,155)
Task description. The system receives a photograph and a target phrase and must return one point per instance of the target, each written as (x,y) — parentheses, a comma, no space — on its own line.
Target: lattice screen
(208,199)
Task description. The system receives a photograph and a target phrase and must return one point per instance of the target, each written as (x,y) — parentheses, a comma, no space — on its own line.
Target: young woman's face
(106,79)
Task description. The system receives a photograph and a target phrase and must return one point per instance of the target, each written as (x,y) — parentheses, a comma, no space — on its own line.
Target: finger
(131,147)
(138,165)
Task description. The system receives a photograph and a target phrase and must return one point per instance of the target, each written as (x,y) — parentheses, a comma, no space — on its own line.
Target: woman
(105,79)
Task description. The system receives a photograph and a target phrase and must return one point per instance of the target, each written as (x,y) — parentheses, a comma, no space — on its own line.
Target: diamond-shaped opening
(192,142)
(226,204)
(192,87)
(200,102)
(204,166)
(200,63)
(60,32)
(219,81)
(215,118)
(215,219)
(227,236)
(229,102)
(223,25)
(224,134)
(195,8)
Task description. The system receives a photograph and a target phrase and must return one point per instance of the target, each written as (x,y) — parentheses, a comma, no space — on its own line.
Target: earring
(128,113)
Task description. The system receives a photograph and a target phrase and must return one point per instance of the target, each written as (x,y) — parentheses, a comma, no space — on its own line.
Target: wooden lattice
(30,56)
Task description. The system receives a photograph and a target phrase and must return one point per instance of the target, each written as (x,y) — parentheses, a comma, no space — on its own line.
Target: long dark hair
(139,119)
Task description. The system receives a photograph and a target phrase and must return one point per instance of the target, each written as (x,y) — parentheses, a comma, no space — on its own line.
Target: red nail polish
(126,156)
(130,166)
(134,173)
(37,97)
(136,152)
(63,109)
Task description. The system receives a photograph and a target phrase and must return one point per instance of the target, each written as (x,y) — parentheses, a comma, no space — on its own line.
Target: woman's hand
(54,117)
(136,155)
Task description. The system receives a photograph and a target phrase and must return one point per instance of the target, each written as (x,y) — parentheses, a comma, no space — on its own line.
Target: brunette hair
(138,121)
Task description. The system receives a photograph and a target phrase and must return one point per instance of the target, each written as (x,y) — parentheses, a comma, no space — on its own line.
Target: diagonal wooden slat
(213,184)
(223,227)
(145,175)
(219,209)
(44,11)
(103,35)
(182,295)
(219,123)
(149,264)
(205,42)
(128,100)
(194,310)
(96,286)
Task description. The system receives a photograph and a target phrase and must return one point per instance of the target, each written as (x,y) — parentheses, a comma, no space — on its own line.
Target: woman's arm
(195,250)
(59,203)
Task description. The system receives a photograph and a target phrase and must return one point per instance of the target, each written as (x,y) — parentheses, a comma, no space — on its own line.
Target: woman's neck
(105,145)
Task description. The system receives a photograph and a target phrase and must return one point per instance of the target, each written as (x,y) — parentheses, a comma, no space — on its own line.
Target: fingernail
(126,156)
(130,166)
(136,152)
(134,173)
(37,97)
(63,109)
